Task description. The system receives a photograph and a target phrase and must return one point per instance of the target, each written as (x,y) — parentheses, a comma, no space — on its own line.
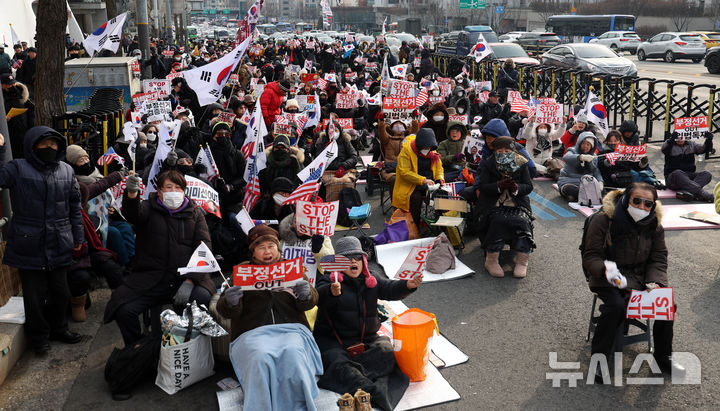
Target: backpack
(608,240)
(349,198)
(590,191)
(129,366)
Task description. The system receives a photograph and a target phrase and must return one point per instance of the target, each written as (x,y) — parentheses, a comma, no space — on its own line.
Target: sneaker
(684,196)
(705,197)
(346,403)
(362,401)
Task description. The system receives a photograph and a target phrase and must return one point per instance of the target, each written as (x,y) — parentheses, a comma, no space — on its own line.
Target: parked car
(511,37)
(595,58)
(504,51)
(712,60)
(535,39)
(619,40)
(711,38)
(671,46)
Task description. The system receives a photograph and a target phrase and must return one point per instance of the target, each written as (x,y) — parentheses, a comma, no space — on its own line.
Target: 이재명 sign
(203,195)
(316,218)
(301,249)
(268,277)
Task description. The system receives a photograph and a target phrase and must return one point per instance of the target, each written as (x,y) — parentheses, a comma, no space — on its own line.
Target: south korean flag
(106,36)
(208,81)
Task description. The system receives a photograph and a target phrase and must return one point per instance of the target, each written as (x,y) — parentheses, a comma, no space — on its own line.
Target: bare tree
(680,16)
(547,8)
(49,80)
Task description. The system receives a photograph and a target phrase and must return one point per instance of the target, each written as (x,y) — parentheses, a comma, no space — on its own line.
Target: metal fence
(641,99)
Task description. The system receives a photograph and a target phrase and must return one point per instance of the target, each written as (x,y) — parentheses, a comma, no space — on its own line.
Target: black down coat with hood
(46,221)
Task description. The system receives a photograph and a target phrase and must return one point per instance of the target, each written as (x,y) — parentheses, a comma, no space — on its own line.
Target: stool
(621,336)
(358,215)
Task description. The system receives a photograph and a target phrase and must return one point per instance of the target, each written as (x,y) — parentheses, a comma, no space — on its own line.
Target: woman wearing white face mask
(437,120)
(539,138)
(628,230)
(419,166)
(169,227)
(271,207)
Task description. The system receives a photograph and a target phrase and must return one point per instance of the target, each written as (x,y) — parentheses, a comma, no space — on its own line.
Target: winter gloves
(586,158)
(302,290)
(172,158)
(340,172)
(132,185)
(507,183)
(316,243)
(233,296)
(459,157)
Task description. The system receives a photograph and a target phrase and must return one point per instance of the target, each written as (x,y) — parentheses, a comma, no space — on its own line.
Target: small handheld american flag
(335,262)
(110,156)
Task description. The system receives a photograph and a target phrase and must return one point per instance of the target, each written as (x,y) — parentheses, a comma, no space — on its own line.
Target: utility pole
(168,20)
(143,34)
(156,18)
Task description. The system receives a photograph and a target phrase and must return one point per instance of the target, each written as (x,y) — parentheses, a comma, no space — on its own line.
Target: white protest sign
(429,41)
(161,86)
(203,195)
(472,148)
(550,113)
(305,102)
(346,101)
(129,132)
(139,98)
(480,85)
(658,304)
(301,249)
(691,127)
(401,89)
(316,218)
(246,222)
(463,118)
(154,108)
(512,95)
(414,264)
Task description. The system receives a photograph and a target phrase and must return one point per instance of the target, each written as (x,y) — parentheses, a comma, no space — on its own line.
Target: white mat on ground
(391,257)
(434,390)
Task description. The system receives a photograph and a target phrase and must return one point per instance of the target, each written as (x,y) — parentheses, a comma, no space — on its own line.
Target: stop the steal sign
(316,218)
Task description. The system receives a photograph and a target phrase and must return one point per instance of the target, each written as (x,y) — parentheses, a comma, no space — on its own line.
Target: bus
(266,29)
(284,27)
(583,28)
(192,32)
(303,27)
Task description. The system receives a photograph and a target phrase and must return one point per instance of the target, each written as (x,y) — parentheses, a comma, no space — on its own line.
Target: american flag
(322,83)
(611,157)
(300,121)
(247,149)
(421,98)
(109,157)
(252,192)
(303,193)
(281,120)
(519,105)
(335,262)
(465,71)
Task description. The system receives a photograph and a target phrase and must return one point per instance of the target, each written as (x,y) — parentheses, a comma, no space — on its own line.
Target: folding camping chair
(447,215)
(623,336)
(358,215)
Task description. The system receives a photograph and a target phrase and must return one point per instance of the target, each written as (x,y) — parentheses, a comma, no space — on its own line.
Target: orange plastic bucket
(412,335)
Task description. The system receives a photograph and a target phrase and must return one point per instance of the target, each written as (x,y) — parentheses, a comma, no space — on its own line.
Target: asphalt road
(507,327)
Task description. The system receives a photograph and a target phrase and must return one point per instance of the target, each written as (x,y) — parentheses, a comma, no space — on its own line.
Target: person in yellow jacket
(418,166)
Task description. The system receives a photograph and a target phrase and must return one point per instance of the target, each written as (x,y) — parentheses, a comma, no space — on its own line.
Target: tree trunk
(111,9)
(50,73)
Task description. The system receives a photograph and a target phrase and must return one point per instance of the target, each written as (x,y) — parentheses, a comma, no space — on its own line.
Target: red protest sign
(174,74)
(414,264)
(658,304)
(268,277)
(139,98)
(625,152)
(316,218)
(226,117)
(311,78)
(345,123)
(345,101)
(168,53)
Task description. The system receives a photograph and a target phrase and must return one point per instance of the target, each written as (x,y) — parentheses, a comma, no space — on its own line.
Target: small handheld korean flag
(481,49)
(596,113)
(202,261)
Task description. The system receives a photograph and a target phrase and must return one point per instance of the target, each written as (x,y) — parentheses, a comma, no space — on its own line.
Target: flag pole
(72,83)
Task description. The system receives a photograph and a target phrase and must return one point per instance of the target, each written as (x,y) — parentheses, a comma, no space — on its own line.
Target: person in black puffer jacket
(231,165)
(437,120)
(283,160)
(507,79)
(680,171)
(44,233)
(347,315)
(630,134)
(490,109)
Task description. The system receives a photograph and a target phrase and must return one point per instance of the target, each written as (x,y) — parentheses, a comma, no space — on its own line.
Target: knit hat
(495,128)
(261,233)
(581,118)
(220,125)
(281,139)
(284,85)
(74,153)
(425,139)
(347,246)
(282,184)
(292,103)
(503,142)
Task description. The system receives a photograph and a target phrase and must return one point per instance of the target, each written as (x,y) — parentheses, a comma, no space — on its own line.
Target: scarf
(94,242)
(432,155)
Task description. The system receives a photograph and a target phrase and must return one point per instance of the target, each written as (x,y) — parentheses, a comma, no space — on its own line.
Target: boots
(362,401)
(78,308)
(521,265)
(346,403)
(492,265)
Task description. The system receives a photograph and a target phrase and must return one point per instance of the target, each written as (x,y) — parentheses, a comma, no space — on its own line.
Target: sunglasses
(356,257)
(638,201)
